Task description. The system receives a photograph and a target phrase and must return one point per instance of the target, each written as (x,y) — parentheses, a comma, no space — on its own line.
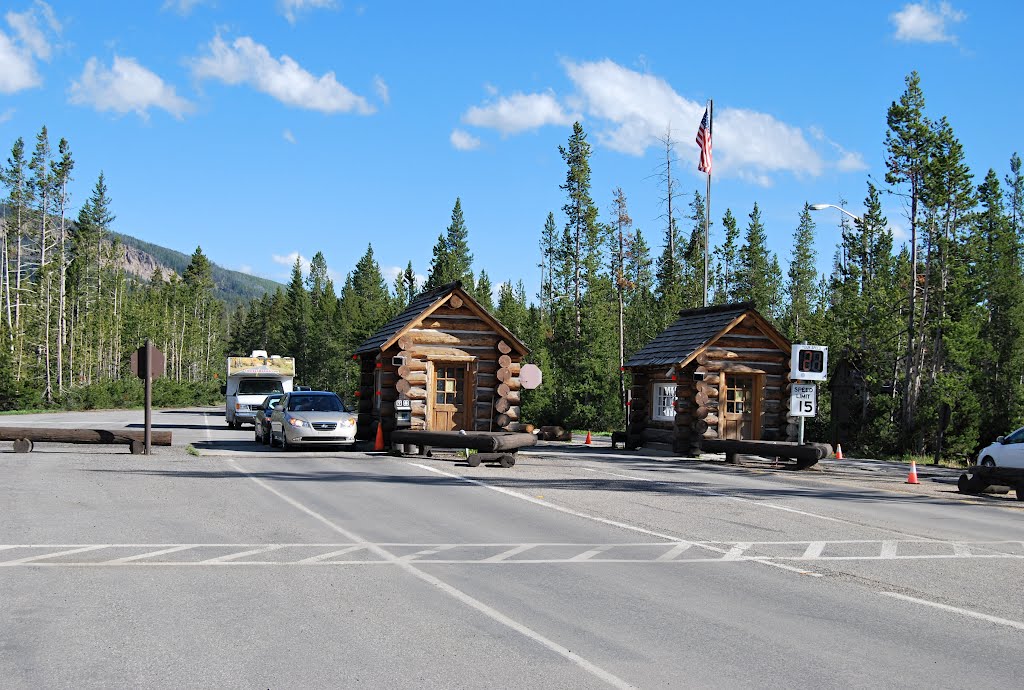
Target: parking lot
(581,566)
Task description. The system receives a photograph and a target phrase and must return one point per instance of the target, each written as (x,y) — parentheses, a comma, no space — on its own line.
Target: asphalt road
(579,567)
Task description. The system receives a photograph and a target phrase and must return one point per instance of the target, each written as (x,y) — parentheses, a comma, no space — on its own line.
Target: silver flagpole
(707,207)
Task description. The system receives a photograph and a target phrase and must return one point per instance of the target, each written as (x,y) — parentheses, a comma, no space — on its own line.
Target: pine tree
(908,145)
(727,256)
(803,280)
(452,259)
(483,291)
(759,278)
(298,318)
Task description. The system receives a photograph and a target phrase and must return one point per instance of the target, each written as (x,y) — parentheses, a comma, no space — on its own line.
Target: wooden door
(449,397)
(739,404)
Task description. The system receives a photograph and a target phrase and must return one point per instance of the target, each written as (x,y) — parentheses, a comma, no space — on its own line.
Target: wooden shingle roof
(425,303)
(692,330)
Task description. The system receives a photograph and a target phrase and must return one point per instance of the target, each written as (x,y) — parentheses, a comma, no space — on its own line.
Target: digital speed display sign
(809,363)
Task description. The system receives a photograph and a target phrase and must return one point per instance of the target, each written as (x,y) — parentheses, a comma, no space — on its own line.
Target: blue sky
(265,130)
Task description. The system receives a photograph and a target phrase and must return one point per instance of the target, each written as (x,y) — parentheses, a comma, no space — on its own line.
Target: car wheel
(988,462)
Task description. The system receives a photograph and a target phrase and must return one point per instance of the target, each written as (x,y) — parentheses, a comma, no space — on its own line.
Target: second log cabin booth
(717,372)
(443,364)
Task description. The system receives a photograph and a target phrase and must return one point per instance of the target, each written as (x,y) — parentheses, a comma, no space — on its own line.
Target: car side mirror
(1000,439)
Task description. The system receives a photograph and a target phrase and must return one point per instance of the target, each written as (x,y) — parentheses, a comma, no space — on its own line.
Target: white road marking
(242,554)
(506,554)
(674,551)
(736,552)
(150,554)
(814,549)
(325,556)
(427,552)
(953,609)
(595,518)
(452,591)
(888,549)
(33,559)
(587,555)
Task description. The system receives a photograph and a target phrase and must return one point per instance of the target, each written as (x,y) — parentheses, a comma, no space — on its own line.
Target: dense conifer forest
(937,320)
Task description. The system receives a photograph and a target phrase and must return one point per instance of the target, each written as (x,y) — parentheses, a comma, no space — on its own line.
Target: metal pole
(148,434)
(707,208)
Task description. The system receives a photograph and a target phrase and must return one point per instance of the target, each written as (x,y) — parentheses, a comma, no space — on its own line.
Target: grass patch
(191,450)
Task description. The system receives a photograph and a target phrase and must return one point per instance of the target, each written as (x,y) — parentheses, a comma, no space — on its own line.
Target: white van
(250,380)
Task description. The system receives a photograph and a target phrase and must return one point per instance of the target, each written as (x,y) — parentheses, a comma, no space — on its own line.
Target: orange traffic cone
(588,441)
(839,451)
(912,478)
(379,443)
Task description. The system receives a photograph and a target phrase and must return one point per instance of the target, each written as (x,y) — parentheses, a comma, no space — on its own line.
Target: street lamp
(822,207)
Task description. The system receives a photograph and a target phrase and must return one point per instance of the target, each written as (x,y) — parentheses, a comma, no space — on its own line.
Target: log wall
(452,333)
(700,391)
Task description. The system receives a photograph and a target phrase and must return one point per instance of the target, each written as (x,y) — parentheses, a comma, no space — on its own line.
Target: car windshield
(1016,437)
(259,386)
(315,403)
(270,401)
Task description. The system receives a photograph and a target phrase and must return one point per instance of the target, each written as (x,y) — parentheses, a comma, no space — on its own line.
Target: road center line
(454,592)
(953,609)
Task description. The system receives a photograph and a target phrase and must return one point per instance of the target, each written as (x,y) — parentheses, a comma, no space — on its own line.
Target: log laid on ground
(127,437)
(483,441)
(805,455)
(554,433)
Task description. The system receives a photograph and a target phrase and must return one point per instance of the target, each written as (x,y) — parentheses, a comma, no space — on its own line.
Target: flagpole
(707,210)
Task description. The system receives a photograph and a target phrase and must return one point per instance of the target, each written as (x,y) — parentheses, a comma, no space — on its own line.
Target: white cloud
(125,87)
(31,40)
(6,115)
(246,269)
(291,8)
(921,21)
(288,136)
(392,272)
(248,62)
(519,112)
(17,68)
(381,87)
(636,109)
(464,141)
(289,260)
(182,7)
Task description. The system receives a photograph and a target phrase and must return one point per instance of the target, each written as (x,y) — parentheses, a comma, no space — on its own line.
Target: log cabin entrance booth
(717,372)
(444,364)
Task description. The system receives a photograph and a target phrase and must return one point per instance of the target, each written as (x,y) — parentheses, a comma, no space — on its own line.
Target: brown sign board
(159,362)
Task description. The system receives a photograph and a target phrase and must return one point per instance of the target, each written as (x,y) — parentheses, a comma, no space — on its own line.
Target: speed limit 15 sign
(803,400)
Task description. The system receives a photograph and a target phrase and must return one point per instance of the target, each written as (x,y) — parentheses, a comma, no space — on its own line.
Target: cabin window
(664,397)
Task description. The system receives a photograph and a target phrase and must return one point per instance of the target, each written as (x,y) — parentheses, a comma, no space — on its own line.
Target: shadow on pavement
(682,489)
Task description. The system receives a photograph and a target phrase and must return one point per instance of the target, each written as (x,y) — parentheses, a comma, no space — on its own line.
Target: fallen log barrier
(805,455)
(481,441)
(987,479)
(25,438)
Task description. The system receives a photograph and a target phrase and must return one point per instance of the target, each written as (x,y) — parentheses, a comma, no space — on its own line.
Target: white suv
(1007,451)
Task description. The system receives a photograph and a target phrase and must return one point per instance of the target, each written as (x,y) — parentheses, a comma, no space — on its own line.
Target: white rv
(250,380)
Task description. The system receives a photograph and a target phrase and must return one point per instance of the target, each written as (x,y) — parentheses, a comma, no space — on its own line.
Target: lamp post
(822,207)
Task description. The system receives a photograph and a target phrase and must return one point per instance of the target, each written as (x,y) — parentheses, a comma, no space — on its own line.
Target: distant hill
(142,258)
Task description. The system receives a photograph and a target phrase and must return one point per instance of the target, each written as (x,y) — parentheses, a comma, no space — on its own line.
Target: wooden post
(148,439)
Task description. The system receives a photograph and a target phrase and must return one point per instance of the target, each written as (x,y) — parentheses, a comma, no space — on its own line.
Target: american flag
(704,142)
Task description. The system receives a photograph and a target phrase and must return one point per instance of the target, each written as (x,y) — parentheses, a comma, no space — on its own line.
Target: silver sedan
(311,418)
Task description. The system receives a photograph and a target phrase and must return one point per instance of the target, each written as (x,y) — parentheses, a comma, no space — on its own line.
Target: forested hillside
(937,320)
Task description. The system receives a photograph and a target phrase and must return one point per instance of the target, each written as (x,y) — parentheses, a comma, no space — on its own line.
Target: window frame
(657,395)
